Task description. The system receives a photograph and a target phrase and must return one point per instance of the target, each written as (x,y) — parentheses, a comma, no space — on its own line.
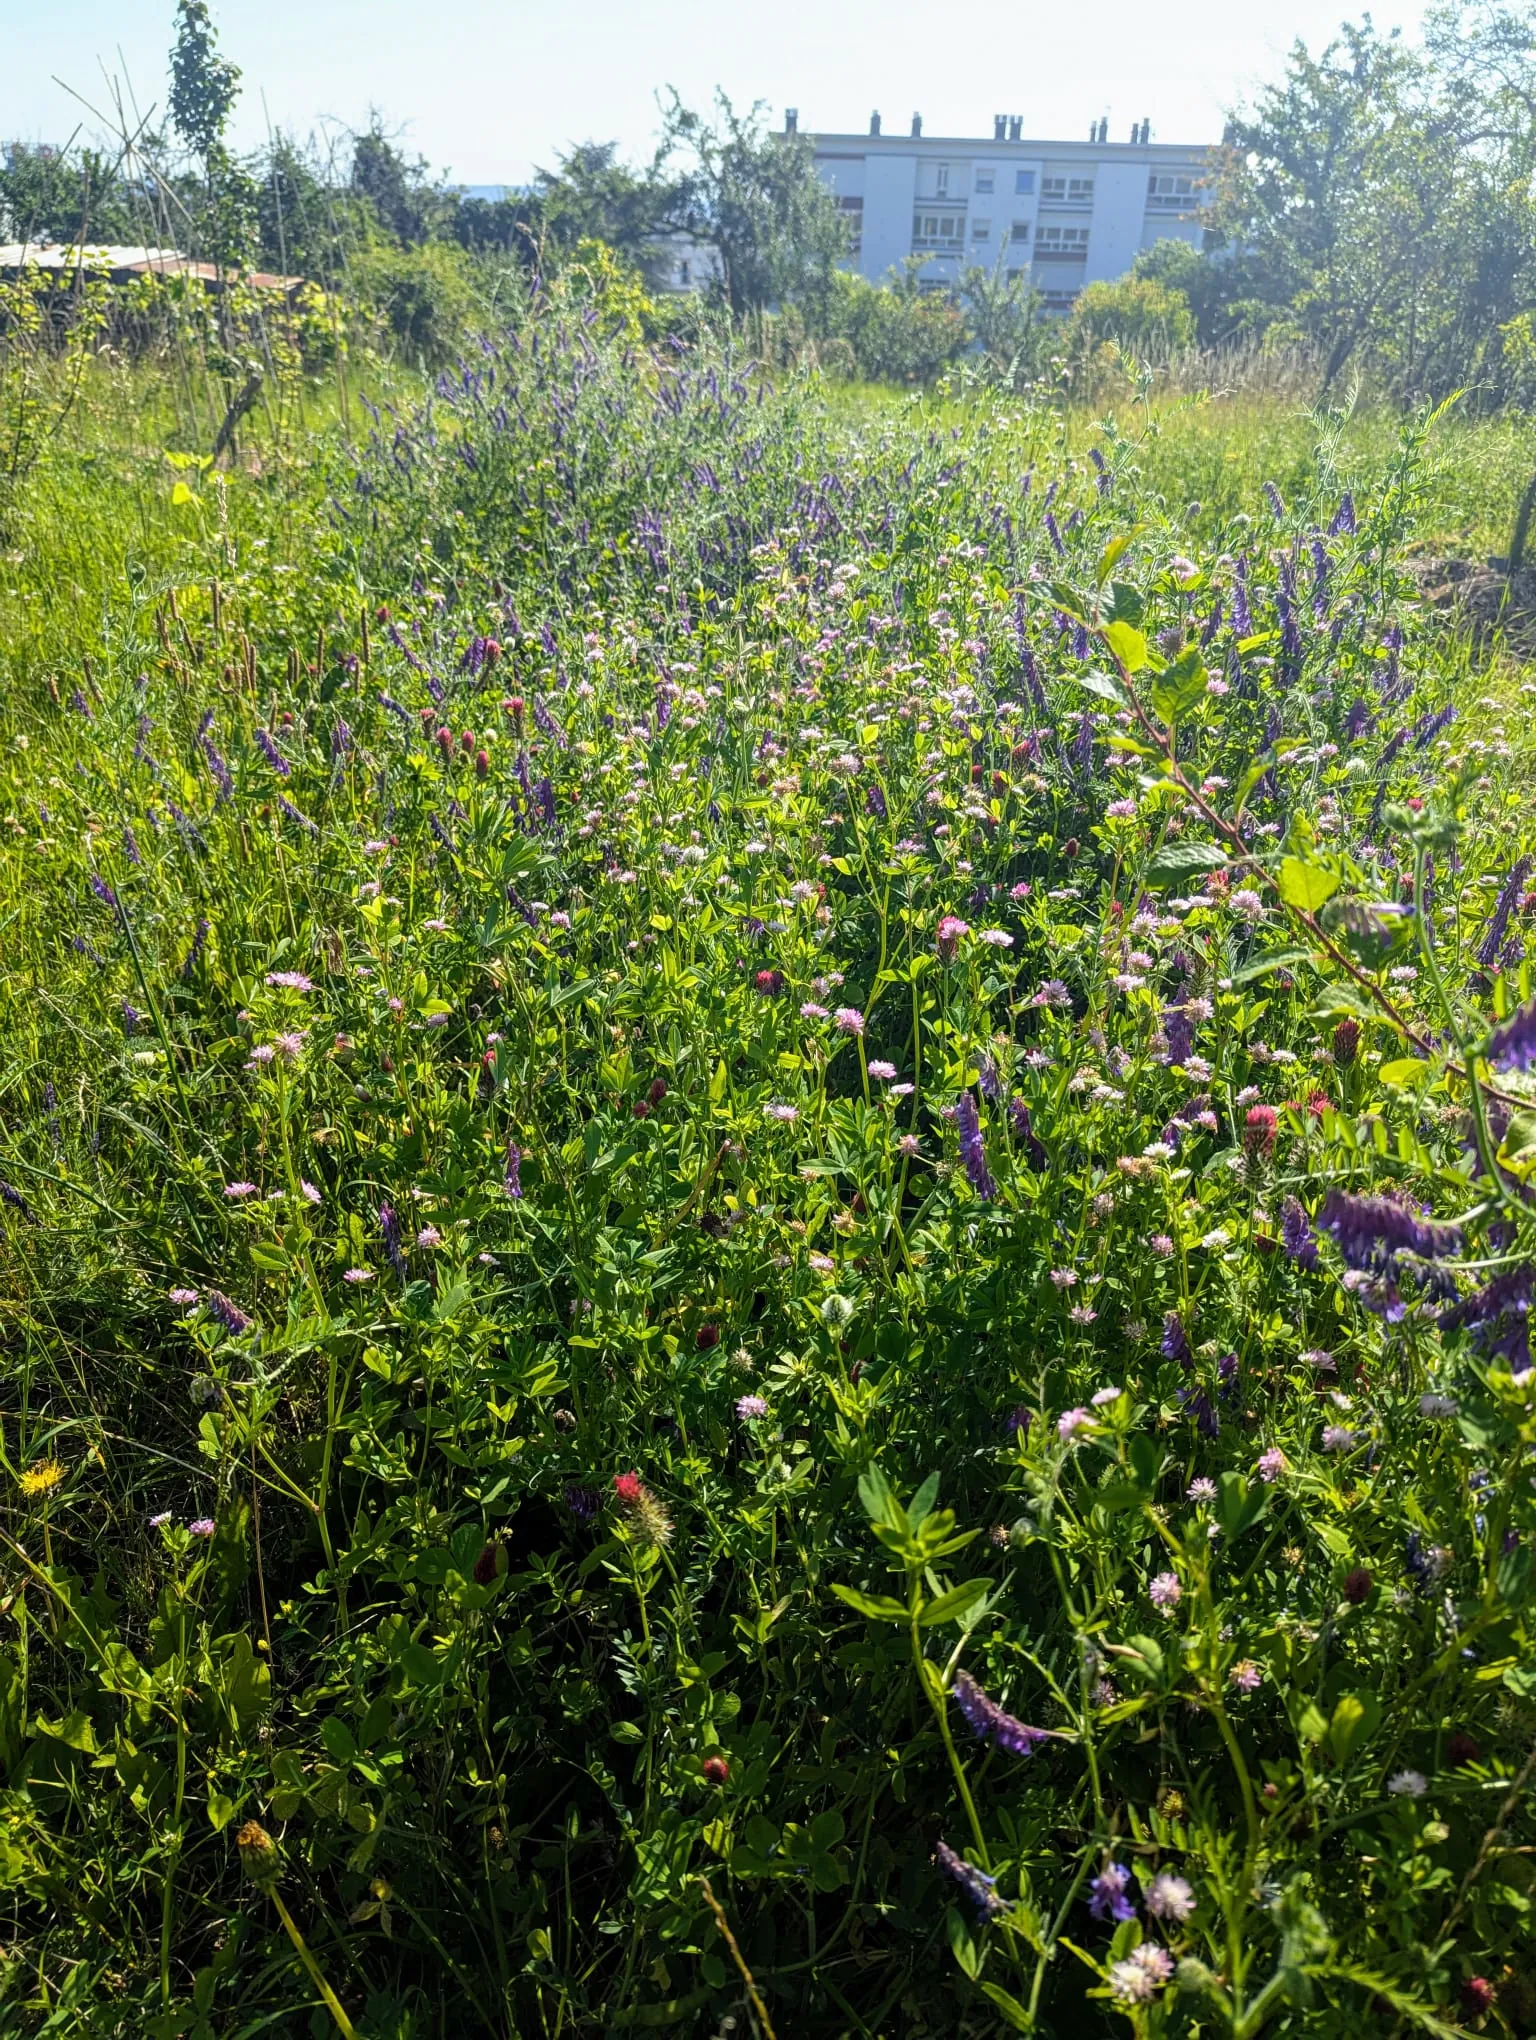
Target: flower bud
(258,1853)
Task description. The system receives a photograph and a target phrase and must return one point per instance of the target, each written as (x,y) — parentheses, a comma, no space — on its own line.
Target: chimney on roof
(999,127)
(917,125)
(1015,126)
(791,120)
(874,123)
(1146,132)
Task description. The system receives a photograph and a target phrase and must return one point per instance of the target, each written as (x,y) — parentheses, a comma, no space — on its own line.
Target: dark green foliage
(715,1403)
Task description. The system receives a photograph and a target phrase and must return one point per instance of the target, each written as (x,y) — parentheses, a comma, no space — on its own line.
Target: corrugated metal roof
(122,262)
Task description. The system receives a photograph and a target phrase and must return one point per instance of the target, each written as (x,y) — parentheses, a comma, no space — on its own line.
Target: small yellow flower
(42,1478)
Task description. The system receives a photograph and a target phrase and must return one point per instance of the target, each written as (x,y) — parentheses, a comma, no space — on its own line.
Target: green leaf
(627,1732)
(1239,1505)
(221,1810)
(1274,959)
(961,1945)
(1356,1718)
(1127,645)
(1406,1069)
(952,1606)
(338,1739)
(1142,1656)
(878,1607)
(1178,861)
(1126,605)
(1180,688)
(1104,687)
(880,1505)
(1014,2014)
(923,1501)
(1116,550)
(1305,885)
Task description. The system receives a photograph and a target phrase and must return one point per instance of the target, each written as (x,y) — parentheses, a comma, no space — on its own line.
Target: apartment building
(1057,214)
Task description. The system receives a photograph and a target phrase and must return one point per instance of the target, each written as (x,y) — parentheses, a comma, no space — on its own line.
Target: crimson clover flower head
(1107,1899)
(992,1723)
(1259,1129)
(976,1885)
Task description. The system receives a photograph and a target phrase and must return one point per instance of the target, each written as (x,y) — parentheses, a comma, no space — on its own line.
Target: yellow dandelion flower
(42,1478)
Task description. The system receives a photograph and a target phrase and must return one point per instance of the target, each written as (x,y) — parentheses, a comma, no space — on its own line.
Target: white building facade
(1054,214)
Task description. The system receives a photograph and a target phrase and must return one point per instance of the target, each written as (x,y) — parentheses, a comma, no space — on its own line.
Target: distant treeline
(1373,207)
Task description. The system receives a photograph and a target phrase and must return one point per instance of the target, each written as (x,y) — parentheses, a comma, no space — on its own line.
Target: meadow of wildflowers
(766,1247)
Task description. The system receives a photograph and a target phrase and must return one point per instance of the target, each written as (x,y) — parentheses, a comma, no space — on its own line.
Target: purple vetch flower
(1020,1417)
(1498,1317)
(132,1018)
(874,801)
(583,1502)
(1107,1894)
(1373,1231)
(511,1170)
(1512,1047)
(973,1151)
(1296,1234)
(199,942)
(1178,1033)
(1197,1404)
(105,893)
(992,1723)
(1022,1126)
(218,770)
(389,1228)
(297,815)
(1175,1342)
(1343,518)
(229,1315)
(10,1195)
(274,757)
(1275,500)
(1242,619)
(975,1884)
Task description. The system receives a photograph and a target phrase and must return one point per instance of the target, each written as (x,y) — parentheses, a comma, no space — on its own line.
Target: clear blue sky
(486,89)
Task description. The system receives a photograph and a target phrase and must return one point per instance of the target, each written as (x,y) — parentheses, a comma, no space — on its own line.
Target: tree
(759,200)
(204,87)
(1352,206)
(1006,317)
(405,202)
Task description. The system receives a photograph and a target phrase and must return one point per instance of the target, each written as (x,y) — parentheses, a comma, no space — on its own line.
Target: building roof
(121,263)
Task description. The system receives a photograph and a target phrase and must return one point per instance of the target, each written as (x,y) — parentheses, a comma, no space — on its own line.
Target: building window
(1018,233)
(941,233)
(1066,191)
(1169,193)
(981,230)
(985,180)
(1024,182)
(1061,244)
(941,180)
(1015,275)
(852,210)
(682,273)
